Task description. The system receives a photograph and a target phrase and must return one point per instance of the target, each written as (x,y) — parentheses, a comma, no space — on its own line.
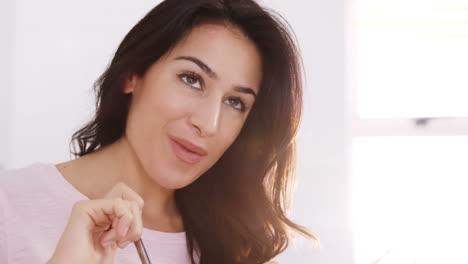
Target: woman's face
(192,103)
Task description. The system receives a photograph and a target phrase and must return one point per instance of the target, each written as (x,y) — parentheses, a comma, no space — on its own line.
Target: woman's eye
(191,80)
(237,103)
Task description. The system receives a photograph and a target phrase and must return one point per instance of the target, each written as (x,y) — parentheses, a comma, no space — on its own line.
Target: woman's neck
(95,174)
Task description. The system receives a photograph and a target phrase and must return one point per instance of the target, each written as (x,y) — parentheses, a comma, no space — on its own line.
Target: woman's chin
(173,181)
(172,177)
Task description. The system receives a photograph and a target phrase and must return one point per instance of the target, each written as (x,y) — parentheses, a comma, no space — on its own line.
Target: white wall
(6,64)
(61,47)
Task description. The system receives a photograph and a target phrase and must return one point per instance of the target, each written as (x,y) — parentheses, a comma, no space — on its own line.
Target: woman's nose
(206,116)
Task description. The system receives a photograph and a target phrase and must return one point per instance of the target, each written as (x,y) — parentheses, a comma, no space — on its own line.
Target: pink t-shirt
(35,204)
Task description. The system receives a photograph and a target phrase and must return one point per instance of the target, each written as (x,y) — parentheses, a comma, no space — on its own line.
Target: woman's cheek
(226,137)
(174,104)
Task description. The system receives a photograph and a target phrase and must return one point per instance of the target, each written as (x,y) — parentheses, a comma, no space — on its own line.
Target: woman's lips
(184,154)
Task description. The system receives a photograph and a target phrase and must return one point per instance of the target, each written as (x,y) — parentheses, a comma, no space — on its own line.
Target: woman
(191,148)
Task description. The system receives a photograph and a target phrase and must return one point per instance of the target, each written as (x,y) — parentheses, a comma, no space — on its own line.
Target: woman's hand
(97,227)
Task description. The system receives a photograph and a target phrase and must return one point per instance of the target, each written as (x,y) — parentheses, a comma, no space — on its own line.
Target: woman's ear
(130,83)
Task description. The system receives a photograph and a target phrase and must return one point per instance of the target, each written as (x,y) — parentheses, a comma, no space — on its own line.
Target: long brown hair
(236,211)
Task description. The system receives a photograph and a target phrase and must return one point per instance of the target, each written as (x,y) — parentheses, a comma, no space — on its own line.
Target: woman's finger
(102,221)
(136,228)
(99,213)
(118,216)
(125,221)
(134,231)
(115,214)
(109,237)
(128,227)
(121,190)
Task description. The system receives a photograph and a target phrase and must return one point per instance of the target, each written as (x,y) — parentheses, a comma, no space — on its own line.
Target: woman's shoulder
(25,174)
(33,189)
(17,181)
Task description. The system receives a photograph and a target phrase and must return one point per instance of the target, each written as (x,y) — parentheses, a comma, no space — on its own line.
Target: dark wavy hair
(236,211)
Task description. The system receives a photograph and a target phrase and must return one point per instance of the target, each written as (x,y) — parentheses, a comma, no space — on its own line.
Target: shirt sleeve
(3,229)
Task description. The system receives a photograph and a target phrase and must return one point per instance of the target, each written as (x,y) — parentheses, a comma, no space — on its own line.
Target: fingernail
(108,243)
(124,244)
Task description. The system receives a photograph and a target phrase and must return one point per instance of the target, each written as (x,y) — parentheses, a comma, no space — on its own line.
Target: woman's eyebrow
(246,90)
(200,64)
(213,74)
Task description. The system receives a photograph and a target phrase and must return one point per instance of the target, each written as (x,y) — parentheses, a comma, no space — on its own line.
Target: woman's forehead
(208,38)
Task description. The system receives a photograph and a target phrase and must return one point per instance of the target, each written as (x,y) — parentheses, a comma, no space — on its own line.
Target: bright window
(410,196)
(411,58)
(409,93)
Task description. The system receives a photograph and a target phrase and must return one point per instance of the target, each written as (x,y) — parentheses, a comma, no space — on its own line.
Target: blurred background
(383,147)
